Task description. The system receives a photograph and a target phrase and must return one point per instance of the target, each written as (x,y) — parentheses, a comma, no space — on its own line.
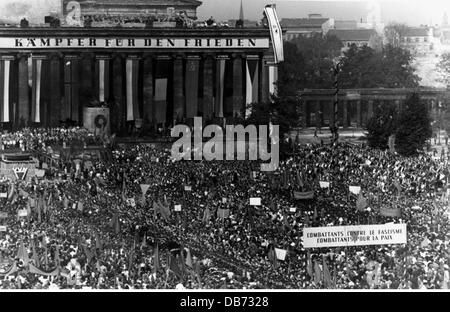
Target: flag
(273,257)
(328,283)
(156,264)
(173,266)
(80,206)
(317,273)
(300,180)
(223,213)
(206,215)
(10,270)
(22,253)
(12,193)
(164,210)
(391,212)
(304,195)
(35,255)
(197,273)
(309,266)
(35,270)
(425,243)
(361,203)
(66,202)
(189,258)
(398,186)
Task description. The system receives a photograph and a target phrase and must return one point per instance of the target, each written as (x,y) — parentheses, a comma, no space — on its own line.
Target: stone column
(148,109)
(331,105)
(304,106)
(179,110)
(318,114)
(238,90)
(23,90)
(369,109)
(359,120)
(345,115)
(208,90)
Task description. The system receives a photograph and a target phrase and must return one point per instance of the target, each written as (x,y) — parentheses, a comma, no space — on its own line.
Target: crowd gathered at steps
(91,222)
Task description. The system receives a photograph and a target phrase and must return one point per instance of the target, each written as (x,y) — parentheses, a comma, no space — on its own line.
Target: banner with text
(132,43)
(360,235)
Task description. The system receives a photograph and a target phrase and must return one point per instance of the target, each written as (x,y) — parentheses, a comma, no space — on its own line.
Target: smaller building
(296,27)
(340,24)
(358,37)
(418,40)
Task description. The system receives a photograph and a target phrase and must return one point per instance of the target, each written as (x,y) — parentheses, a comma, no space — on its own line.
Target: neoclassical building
(139,59)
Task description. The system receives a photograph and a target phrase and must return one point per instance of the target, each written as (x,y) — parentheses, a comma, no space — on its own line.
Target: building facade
(418,40)
(155,76)
(305,27)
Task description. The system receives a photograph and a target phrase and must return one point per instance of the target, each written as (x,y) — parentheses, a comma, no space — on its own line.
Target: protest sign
(304,195)
(23,213)
(178,208)
(255,201)
(324,185)
(188,188)
(293,210)
(355,189)
(3,228)
(281,254)
(361,235)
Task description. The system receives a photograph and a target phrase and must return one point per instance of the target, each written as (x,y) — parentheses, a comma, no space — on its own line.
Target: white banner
(3,228)
(132,43)
(355,189)
(360,235)
(255,201)
(275,32)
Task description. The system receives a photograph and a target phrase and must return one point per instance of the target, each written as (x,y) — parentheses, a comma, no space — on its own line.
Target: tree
(414,127)
(381,126)
(366,68)
(281,111)
(443,68)
(307,64)
(394,32)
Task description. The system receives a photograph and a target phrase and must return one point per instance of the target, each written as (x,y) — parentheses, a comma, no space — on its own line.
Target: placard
(3,228)
(23,213)
(360,235)
(178,208)
(255,201)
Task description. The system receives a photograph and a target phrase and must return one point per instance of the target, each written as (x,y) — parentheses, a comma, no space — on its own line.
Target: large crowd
(89,226)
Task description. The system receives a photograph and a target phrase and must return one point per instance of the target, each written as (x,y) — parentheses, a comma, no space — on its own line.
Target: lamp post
(335,127)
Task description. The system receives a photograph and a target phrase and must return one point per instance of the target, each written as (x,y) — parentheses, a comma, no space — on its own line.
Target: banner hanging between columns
(161,85)
(192,76)
(103,69)
(252,90)
(36,102)
(5,76)
(132,89)
(220,88)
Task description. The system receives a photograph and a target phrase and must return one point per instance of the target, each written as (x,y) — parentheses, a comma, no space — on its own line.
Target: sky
(412,12)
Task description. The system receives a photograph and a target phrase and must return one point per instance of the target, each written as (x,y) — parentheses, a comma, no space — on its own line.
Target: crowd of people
(141,220)
(40,139)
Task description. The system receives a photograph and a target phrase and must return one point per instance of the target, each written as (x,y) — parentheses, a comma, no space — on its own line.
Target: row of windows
(414,39)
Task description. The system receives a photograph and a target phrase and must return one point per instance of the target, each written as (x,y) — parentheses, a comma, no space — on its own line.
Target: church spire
(241,13)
